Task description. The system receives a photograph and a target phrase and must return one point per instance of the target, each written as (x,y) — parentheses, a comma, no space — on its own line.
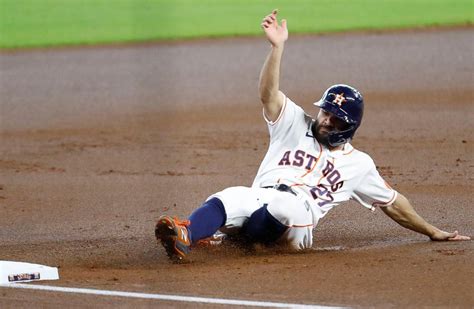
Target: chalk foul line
(178,298)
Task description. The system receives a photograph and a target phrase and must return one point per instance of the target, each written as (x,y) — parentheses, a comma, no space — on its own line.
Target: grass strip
(34,23)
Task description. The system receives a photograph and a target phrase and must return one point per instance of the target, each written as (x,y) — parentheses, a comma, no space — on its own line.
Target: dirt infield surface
(96,143)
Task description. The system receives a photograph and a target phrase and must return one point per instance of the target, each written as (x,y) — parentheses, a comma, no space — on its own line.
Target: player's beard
(321,137)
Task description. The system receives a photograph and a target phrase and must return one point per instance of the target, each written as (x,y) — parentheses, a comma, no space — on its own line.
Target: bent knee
(291,214)
(281,213)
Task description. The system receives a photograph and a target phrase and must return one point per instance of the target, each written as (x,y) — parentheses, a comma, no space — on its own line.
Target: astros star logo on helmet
(339,99)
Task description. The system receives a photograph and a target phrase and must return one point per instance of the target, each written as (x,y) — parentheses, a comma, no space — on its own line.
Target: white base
(11,272)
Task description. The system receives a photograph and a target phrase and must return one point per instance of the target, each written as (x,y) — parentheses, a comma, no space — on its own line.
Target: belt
(282,187)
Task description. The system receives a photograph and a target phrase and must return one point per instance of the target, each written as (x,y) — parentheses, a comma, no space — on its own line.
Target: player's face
(325,124)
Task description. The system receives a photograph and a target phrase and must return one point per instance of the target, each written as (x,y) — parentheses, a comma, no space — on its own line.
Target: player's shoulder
(289,103)
(362,158)
(295,111)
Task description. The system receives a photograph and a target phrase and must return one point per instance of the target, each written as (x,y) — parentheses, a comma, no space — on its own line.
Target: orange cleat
(174,236)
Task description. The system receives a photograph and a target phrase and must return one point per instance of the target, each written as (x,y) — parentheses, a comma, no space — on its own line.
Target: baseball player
(310,167)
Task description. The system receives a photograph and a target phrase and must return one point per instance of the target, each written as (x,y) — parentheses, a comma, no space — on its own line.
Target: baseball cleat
(174,236)
(215,240)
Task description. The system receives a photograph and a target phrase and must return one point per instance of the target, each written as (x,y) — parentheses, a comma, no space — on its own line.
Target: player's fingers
(268,19)
(283,23)
(272,16)
(265,24)
(453,235)
(456,236)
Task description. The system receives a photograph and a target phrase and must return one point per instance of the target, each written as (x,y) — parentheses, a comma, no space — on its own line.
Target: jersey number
(321,192)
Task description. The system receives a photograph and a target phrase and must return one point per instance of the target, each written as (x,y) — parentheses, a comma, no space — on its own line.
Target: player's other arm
(270,95)
(403,213)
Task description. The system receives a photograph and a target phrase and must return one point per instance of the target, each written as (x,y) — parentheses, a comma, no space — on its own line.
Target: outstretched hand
(276,34)
(442,236)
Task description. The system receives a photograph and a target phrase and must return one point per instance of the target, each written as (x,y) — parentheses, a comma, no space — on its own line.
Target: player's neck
(336,148)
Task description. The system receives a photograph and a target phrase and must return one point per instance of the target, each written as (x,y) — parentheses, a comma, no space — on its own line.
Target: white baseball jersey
(326,178)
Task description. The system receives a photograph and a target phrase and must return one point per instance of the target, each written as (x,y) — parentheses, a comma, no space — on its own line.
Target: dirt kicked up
(96,143)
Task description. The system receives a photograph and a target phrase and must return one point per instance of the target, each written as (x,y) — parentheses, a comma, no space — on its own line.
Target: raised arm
(403,213)
(270,95)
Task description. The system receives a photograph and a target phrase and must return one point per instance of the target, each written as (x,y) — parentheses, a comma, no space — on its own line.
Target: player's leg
(177,236)
(239,203)
(298,217)
(284,218)
(227,210)
(206,220)
(298,237)
(263,227)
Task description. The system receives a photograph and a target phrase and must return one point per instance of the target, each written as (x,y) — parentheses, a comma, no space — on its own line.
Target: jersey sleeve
(373,191)
(289,114)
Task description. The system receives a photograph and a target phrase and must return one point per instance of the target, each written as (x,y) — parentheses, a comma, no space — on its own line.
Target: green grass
(32,23)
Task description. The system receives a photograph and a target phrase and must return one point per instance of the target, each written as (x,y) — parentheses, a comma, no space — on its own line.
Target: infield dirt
(96,143)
